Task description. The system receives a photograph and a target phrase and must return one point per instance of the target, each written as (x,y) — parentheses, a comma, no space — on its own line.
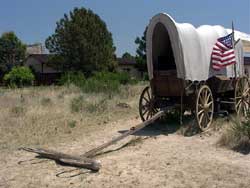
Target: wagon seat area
(165,82)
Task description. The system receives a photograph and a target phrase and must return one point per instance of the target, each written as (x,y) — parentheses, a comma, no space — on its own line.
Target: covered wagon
(181,75)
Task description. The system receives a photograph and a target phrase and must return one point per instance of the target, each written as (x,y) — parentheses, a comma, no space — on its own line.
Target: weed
(18,110)
(99,106)
(72,124)
(46,101)
(77,104)
(237,136)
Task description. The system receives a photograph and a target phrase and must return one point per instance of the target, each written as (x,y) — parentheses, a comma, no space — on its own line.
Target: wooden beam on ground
(75,161)
(138,127)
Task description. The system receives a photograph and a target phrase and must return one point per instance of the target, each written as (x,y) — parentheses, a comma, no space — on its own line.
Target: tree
(19,76)
(128,56)
(140,57)
(12,52)
(82,42)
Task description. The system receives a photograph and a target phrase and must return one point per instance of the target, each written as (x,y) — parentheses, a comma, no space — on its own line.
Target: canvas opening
(162,53)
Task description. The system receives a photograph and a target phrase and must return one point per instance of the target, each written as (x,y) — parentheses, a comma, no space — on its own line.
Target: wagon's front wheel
(147,104)
(204,107)
(242,96)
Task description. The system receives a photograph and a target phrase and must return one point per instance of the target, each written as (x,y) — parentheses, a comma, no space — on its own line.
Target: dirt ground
(157,156)
(153,159)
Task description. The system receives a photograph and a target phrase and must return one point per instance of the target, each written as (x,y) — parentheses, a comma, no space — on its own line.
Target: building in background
(45,74)
(128,66)
(246,48)
(35,49)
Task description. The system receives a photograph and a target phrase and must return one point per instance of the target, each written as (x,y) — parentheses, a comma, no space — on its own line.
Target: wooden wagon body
(180,72)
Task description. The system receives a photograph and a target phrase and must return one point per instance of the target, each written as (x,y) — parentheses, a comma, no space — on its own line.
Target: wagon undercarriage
(201,99)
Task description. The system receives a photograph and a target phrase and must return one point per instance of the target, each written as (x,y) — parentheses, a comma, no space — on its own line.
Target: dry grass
(40,116)
(236,136)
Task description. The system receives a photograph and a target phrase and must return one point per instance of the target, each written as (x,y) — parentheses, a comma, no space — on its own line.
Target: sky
(34,20)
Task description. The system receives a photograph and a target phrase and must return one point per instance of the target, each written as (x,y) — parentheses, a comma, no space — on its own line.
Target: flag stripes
(223,52)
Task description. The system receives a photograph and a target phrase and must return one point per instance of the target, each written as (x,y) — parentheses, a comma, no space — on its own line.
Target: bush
(122,78)
(76,78)
(237,136)
(19,76)
(93,85)
(107,82)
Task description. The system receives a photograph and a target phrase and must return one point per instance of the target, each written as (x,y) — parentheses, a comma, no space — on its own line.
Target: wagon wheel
(204,107)
(242,96)
(147,104)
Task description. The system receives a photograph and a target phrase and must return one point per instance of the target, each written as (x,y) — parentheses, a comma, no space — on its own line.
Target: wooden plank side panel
(167,85)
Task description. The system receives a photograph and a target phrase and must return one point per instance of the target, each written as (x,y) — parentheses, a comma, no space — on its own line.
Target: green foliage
(82,42)
(19,76)
(241,129)
(95,85)
(128,56)
(72,124)
(100,82)
(237,136)
(141,62)
(12,52)
(106,82)
(76,78)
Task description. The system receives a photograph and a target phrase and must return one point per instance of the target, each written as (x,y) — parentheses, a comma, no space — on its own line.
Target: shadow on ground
(167,126)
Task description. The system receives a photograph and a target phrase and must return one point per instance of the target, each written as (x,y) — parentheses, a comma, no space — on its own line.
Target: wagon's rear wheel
(147,104)
(242,96)
(204,107)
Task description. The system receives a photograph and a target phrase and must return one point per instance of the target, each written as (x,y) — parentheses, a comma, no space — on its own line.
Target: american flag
(223,52)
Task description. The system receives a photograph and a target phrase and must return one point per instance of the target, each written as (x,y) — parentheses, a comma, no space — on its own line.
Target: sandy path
(159,161)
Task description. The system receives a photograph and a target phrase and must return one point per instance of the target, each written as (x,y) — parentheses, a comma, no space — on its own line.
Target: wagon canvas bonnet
(189,47)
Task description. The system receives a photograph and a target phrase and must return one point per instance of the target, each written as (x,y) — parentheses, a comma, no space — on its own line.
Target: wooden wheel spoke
(204,107)
(145,112)
(145,99)
(146,104)
(201,118)
(148,115)
(242,96)
(208,97)
(238,102)
(149,97)
(210,103)
(199,113)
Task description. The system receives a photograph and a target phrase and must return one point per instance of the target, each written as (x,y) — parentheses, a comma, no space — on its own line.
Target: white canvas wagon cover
(192,48)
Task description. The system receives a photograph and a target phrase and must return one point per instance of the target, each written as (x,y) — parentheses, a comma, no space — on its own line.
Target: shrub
(76,78)
(72,124)
(107,82)
(19,76)
(93,85)
(237,136)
